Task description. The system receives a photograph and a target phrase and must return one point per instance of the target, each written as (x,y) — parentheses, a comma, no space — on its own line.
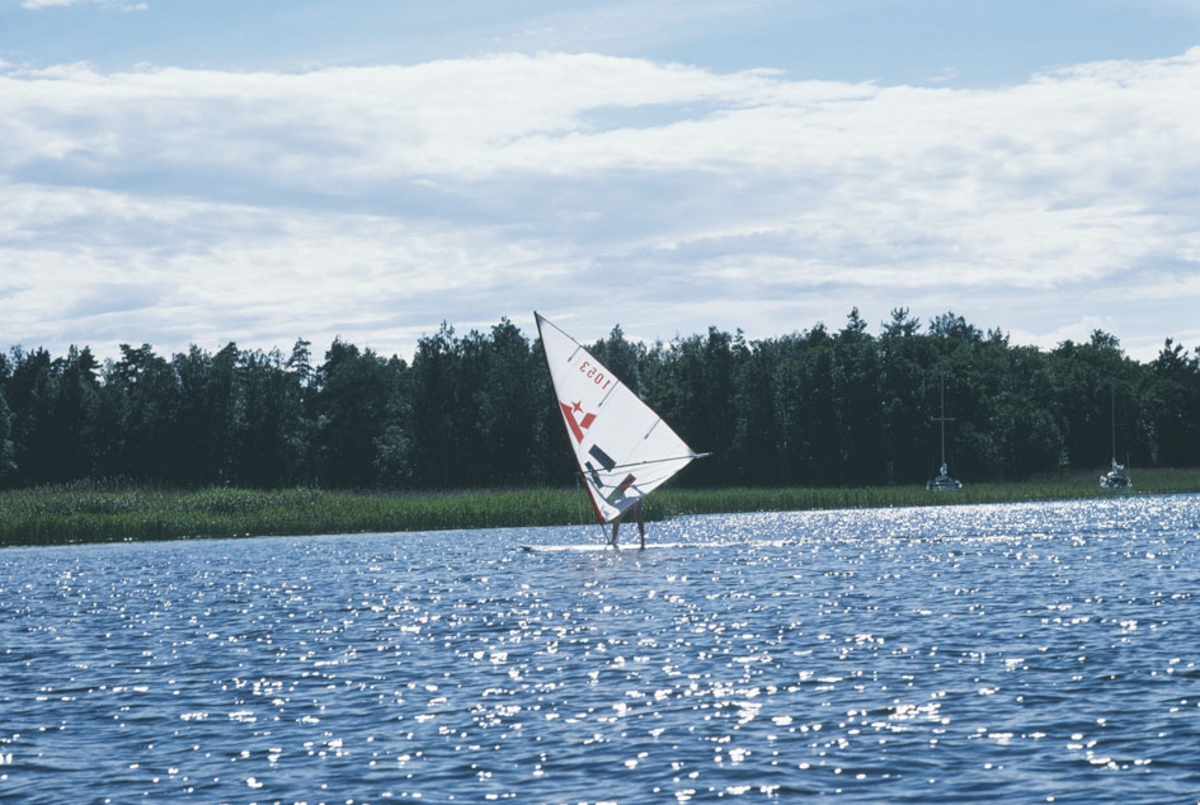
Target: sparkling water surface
(1019,653)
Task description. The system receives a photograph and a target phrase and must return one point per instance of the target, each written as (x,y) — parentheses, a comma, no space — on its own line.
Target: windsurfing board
(594,547)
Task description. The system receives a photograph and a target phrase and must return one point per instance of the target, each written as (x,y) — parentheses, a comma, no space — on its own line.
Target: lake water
(1020,653)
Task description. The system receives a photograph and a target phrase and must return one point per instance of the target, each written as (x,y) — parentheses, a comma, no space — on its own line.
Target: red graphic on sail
(577,426)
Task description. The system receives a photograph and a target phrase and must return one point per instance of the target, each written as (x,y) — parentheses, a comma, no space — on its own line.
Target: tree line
(812,408)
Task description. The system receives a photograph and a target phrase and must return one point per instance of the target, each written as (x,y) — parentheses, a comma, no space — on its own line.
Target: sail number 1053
(595,374)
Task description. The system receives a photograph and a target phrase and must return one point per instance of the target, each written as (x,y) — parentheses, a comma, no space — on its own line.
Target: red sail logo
(577,421)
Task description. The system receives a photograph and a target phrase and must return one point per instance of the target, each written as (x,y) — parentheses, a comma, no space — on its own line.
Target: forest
(814,408)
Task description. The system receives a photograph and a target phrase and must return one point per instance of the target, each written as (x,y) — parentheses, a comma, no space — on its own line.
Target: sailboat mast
(943,481)
(1112,389)
(943,419)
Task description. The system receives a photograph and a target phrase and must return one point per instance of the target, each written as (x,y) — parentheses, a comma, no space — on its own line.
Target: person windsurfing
(623,449)
(636,508)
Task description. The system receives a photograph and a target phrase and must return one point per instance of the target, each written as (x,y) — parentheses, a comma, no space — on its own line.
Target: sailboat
(1116,478)
(623,449)
(943,482)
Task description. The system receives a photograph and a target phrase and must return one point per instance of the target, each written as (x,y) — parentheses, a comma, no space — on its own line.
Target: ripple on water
(1038,652)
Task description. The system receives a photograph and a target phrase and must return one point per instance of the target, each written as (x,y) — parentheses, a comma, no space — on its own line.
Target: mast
(943,481)
(1118,476)
(1112,390)
(943,419)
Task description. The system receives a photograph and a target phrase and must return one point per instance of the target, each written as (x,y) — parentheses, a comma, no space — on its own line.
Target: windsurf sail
(624,450)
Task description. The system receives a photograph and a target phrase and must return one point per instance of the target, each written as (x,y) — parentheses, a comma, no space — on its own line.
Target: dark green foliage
(358,435)
(53,408)
(1171,391)
(813,409)
(8,463)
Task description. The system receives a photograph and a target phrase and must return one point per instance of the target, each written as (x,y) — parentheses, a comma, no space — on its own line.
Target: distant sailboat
(943,482)
(1116,478)
(623,449)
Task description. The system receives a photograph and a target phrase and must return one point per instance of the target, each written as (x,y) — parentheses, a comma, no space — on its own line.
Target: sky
(259,171)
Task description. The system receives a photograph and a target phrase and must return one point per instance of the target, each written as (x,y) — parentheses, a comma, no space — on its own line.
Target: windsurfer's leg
(616,524)
(637,511)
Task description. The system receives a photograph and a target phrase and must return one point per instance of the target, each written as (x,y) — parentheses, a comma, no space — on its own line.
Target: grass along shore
(59,516)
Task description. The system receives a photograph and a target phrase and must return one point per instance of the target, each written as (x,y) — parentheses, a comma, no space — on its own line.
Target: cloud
(378,201)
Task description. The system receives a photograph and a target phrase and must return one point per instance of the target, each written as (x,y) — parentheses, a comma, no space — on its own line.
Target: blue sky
(181,172)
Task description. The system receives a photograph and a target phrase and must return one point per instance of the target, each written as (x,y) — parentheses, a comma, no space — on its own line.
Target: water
(1021,653)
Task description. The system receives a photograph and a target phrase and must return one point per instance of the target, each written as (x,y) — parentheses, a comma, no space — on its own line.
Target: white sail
(624,450)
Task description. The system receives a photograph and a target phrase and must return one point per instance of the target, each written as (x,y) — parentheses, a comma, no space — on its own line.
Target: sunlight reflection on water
(1040,652)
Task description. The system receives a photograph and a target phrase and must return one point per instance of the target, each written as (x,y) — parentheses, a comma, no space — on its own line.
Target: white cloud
(378,200)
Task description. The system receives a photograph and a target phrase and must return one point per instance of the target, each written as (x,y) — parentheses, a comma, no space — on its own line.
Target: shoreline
(71,516)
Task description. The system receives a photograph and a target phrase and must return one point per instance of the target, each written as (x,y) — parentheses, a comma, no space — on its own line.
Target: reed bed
(70,515)
(676,502)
